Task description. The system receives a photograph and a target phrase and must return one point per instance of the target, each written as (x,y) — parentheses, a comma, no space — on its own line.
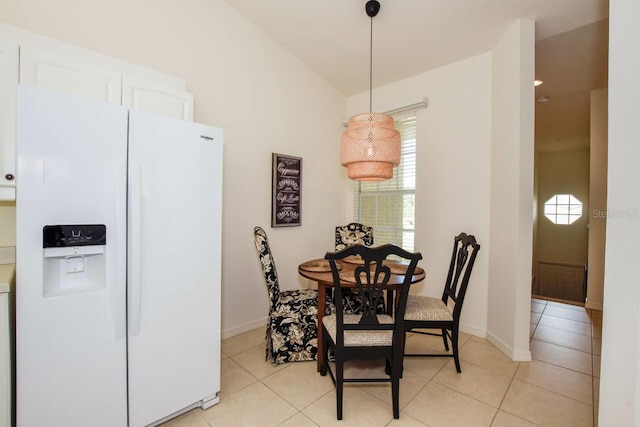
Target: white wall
(620,364)
(597,198)
(265,100)
(453,171)
(475,154)
(512,158)
(563,172)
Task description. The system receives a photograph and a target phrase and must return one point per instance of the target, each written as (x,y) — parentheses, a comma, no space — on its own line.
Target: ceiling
(571,64)
(413,36)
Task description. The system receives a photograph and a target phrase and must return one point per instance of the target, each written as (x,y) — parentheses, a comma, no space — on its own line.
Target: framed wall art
(286,208)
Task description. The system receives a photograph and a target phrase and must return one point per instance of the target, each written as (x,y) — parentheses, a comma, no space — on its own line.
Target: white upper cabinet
(152,97)
(8,99)
(32,59)
(70,74)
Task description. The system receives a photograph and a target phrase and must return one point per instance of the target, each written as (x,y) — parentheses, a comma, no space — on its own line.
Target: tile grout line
(560,366)
(560,345)
(591,336)
(508,388)
(557,316)
(505,396)
(538,322)
(425,385)
(498,408)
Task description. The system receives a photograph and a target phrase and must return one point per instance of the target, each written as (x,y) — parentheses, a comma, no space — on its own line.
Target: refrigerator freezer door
(71,346)
(174,292)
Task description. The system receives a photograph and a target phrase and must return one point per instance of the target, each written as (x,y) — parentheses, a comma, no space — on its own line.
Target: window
(389,206)
(563,209)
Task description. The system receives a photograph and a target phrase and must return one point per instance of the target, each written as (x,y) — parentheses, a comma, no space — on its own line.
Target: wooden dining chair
(443,314)
(369,335)
(348,235)
(292,331)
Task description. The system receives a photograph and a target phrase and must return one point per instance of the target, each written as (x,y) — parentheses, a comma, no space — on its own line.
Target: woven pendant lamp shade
(370,147)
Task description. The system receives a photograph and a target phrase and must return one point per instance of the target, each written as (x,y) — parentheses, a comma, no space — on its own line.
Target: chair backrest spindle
(372,281)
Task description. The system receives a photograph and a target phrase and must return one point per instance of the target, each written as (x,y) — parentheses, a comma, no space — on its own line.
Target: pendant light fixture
(370,147)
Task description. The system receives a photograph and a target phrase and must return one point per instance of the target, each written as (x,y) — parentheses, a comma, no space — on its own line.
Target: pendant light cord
(371,68)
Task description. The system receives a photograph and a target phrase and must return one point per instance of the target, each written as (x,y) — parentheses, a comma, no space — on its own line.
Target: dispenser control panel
(60,236)
(74,259)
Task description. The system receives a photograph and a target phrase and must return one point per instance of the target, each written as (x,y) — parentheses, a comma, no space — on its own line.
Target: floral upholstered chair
(346,236)
(292,333)
(353,234)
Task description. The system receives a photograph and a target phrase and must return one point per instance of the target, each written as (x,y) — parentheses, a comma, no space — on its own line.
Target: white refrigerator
(118,263)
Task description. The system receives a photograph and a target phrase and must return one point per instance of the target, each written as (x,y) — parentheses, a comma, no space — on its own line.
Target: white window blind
(389,206)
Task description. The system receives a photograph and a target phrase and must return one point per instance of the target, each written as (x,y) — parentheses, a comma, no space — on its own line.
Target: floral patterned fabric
(353,234)
(349,235)
(353,303)
(292,331)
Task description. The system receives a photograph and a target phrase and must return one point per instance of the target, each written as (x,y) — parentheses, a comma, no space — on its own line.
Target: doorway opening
(570,164)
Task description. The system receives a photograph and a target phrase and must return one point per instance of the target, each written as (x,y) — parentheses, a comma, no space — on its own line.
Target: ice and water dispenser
(74,259)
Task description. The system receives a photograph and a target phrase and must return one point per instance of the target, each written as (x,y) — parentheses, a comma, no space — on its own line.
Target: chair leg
(396,373)
(339,385)
(404,342)
(401,355)
(444,338)
(454,345)
(395,396)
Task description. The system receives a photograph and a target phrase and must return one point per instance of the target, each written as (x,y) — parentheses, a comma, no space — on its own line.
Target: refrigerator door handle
(135,252)
(120,310)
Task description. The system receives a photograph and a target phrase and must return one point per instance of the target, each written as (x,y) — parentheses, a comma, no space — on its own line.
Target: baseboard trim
(481,333)
(510,352)
(516,356)
(594,306)
(228,333)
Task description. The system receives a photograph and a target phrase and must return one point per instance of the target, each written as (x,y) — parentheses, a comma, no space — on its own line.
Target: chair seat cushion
(426,308)
(300,303)
(292,329)
(299,300)
(373,338)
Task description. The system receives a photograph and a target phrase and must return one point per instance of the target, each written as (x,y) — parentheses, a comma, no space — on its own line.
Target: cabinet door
(72,74)
(8,84)
(151,97)
(5,361)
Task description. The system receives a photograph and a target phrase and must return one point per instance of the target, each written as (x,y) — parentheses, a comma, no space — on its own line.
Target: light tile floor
(559,387)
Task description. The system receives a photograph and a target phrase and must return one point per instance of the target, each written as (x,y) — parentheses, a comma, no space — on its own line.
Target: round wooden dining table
(318,270)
